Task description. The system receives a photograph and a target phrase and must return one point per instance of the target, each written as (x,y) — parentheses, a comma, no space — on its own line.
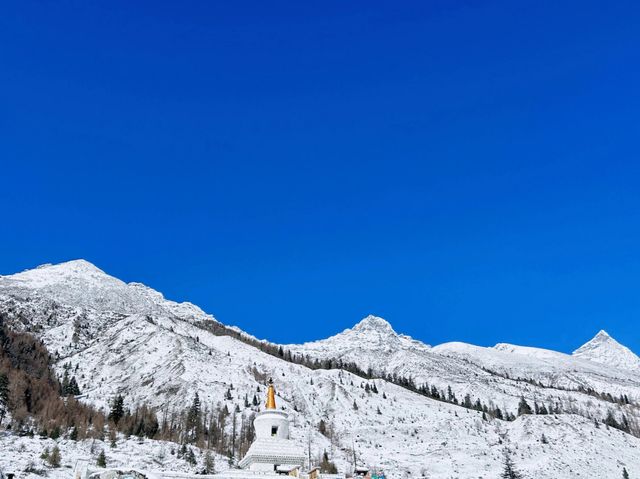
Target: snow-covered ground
(126,338)
(22,453)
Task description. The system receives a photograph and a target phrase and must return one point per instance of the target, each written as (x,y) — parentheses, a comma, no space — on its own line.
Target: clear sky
(467,170)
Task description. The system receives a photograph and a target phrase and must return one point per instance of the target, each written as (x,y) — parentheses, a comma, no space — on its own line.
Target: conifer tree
(322,427)
(193,416)
(73,388)
(54,458)
(326,466)
(191,458)
(117,409)
(209,463)
(509,471)
(4,396)
(611,420)
(102,459)
(64,387)
(625,474)
(523,407)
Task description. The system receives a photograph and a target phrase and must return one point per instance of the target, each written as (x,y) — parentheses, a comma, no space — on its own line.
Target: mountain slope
(126,338)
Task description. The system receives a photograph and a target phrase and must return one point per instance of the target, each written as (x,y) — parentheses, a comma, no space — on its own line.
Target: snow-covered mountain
(606,350)
(127,338)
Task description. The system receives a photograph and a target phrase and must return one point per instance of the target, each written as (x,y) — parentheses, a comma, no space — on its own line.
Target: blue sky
(467,170)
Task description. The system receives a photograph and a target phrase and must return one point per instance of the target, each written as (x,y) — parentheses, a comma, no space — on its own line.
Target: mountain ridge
(125,338)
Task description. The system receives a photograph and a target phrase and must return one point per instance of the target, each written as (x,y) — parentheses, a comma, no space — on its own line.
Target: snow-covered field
(126,338)
(21,454)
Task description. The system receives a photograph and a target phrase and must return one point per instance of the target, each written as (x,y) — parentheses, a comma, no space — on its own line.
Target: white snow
(606,350)
(128,338)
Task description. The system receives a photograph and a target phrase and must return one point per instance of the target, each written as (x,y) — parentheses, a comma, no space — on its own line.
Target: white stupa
(272,451)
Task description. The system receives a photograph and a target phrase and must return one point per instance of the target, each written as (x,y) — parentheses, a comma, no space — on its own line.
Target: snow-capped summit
(48,274)
(606,350)
(374,324)
(81,284)
(370,334)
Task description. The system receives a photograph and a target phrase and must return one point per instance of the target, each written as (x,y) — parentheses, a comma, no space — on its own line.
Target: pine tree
(73,388)
(355,405)
(326,466)
(65,383)
(450,394)
(191,458)
(322,427)
(102,459)
(4,396)
(117,409)
(209,463)
(509,471)
(611,420)
(194,411)
(54,458)
(523,407)
(625,474)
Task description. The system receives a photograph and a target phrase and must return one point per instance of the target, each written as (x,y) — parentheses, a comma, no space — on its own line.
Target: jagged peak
(605,349)
(600,339)
(602,335)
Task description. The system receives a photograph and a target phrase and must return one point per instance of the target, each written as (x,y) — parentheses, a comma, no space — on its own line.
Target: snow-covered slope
(606,350)
(80,284)
(492,374)
(128,338)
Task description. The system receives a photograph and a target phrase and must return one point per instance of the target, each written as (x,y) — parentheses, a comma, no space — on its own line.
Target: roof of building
(275,451)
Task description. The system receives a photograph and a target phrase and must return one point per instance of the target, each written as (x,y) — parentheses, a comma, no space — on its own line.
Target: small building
(273,450)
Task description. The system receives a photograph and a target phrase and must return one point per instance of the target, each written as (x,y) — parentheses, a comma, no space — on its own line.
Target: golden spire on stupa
(271,396)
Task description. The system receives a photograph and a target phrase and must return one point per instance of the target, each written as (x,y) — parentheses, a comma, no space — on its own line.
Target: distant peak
(374,323)
(605,349)
(600,339)
(602,334)
(79,265)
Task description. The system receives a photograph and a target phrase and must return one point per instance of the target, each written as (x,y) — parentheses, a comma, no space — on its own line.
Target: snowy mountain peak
(53,273)
(80,284)
(374,323)
(606,350)
(603,336)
